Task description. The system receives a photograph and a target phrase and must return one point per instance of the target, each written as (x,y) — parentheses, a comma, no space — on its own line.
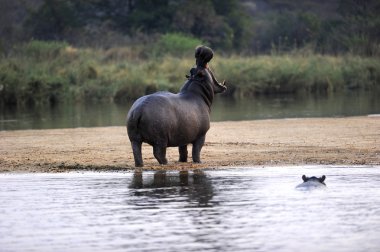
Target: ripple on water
(240,209)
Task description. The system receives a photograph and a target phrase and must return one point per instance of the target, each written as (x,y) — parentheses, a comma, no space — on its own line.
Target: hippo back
(174,119)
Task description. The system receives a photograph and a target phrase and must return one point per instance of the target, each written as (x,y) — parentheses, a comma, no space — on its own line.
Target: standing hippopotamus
(165,119)
(312,182)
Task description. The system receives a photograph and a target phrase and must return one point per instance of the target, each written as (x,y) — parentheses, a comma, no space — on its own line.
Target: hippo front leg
(197,146)
(182,153)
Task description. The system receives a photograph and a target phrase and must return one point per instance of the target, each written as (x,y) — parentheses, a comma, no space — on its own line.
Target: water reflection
(289,106)
(63,116)
(195,186)
(261,107)
(252,209)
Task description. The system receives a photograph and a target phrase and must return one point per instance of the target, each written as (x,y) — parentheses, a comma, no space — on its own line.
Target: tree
(199,19)
(360,27)
(53,19)
(13,13)
(150,16)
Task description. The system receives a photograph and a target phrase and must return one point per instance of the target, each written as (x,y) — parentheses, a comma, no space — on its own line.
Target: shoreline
(269,142)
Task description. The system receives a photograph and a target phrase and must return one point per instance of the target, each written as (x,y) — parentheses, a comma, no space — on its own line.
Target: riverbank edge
(272,142)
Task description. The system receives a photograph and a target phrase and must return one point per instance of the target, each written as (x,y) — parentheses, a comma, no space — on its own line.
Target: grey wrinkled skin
(165,119)
(312,182)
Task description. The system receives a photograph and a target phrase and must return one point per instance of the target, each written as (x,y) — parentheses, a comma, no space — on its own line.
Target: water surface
(240,209)
(262,107)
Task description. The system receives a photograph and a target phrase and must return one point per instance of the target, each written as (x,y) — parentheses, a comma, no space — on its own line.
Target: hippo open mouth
(223,85)
(218,87)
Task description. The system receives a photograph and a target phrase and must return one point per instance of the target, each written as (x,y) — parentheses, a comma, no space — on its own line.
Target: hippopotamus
(312,182)
(165,119)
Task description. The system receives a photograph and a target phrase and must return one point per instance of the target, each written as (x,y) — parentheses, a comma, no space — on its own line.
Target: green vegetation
(77,50)
(175,44)
(232,26)
(300,74)
(50,72)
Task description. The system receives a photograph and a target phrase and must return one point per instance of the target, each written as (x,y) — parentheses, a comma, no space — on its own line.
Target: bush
(50,72)
(298,74)
(175,44)
(42,49)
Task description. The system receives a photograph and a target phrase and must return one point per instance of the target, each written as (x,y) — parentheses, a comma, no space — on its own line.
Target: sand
(279,142)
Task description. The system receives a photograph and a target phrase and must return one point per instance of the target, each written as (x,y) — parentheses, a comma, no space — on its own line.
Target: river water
(237,209)
(262,107)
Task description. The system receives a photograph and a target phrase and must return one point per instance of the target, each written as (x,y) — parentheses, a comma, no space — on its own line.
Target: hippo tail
(133,121)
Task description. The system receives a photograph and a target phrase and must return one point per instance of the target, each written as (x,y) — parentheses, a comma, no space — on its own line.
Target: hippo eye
(304,178)
(321,179)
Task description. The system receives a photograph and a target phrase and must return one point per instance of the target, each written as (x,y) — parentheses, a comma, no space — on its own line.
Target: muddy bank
(353,140)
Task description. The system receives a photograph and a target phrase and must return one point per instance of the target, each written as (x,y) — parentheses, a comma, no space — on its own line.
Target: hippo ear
(321,179)
(193,71)
(200,73)
(196,73)
(304,178)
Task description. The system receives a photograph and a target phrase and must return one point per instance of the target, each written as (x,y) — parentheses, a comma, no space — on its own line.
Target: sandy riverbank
(342,141)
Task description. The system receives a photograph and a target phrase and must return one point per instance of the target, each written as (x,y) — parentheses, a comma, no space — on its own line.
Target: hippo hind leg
(136,148)
(182,153)
(159,153)
(197,146)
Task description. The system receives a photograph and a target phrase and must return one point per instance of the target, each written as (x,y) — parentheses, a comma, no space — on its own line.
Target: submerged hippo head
(312,182)
(315,179)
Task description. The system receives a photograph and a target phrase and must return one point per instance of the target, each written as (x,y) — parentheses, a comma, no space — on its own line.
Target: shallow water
(240,209)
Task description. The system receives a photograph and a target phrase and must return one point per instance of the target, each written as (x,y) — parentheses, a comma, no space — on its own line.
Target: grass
(51,72)
(299,74)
